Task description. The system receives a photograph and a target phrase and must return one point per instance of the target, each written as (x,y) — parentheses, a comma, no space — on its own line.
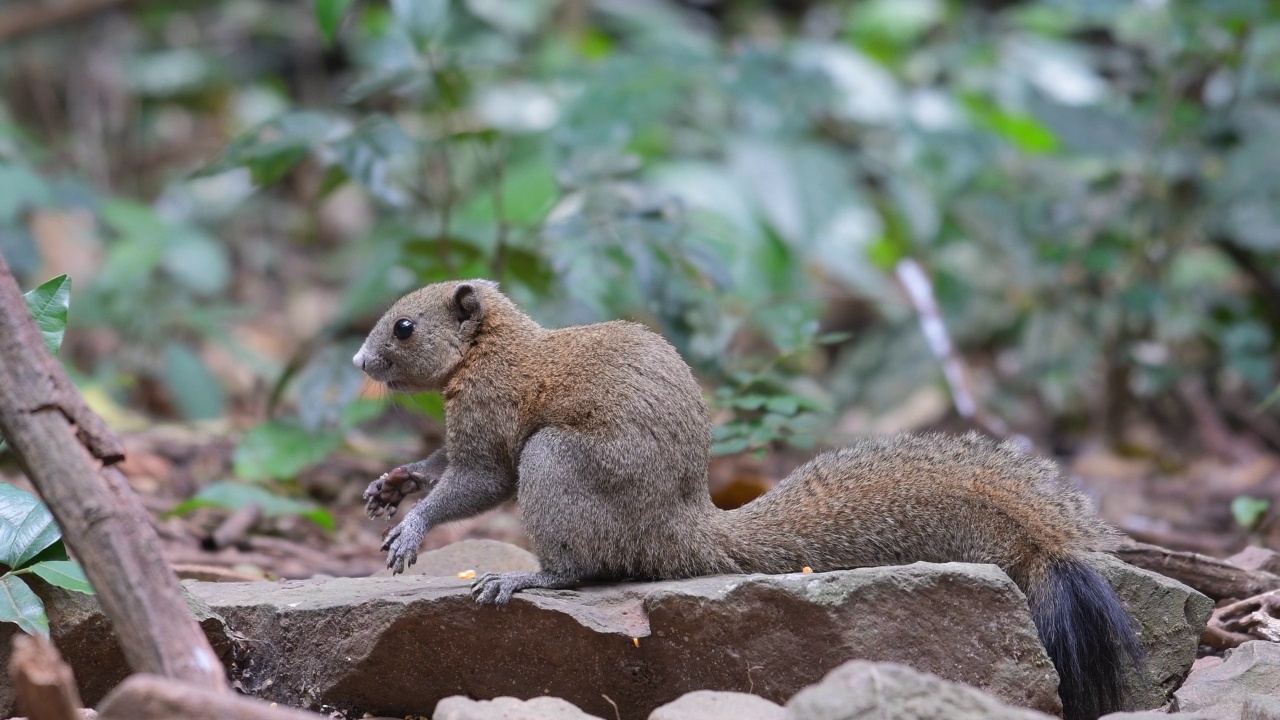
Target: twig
(234,528)
(148,697)
(617,715)
(30,17)
(1216,578)
(920,293)
(44,684)
(1255,618)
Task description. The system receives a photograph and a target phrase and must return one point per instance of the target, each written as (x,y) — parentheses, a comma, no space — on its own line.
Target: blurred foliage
(1092,187)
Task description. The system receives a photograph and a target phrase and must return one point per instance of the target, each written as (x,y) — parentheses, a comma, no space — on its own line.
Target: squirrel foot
(402,543)
(384,495)
(497,588)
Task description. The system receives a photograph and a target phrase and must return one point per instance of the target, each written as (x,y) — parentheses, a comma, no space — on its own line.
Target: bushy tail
(1088,635)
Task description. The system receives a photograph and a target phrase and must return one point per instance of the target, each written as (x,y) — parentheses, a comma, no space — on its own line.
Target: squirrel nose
(359,359)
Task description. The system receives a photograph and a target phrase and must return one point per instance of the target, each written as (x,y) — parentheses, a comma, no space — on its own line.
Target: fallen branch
(148,697)
(43,683)
(66,451)
(1255,618)
(30,17)
(1216,578)
(234,529)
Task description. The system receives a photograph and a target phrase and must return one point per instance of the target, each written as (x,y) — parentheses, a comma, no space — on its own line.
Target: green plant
(31,544)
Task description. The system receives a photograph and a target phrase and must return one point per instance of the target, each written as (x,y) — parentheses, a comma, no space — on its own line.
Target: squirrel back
(601,433)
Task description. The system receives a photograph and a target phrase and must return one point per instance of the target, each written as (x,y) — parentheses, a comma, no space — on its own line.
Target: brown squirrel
(602,434)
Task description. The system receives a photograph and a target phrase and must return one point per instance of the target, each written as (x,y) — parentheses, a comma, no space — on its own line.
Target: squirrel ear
(466,302)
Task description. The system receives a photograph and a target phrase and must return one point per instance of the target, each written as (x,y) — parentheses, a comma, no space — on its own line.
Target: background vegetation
(239,187)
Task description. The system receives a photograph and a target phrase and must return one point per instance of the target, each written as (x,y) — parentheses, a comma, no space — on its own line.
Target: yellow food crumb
(806,569)
(635,641)
(467,575)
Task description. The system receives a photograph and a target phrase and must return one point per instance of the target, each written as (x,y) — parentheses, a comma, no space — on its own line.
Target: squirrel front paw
(384,495)
(402,543)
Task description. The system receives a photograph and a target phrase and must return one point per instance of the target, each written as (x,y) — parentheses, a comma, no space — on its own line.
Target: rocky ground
(919,641)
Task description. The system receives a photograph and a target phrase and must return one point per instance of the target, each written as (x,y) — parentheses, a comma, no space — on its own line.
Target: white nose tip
(358,360)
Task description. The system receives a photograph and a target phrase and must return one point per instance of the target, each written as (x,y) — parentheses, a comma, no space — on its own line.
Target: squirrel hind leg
(1088,635)
(497,588)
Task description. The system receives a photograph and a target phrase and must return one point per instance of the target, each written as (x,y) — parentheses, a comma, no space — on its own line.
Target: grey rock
(392,646)
(1257,558)
(508,708)
(717,705)
(861,690)
(1261,707)
(480,555)
(1248,674)
(1172,617)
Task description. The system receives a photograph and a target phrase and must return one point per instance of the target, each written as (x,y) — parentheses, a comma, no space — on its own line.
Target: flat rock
(1249,674)
(482,556)
(719,705)
(508,708)
(861,690)
(397,646)
(1172,617)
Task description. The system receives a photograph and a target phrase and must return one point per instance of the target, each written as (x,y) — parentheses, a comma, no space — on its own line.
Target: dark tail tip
(1089,637)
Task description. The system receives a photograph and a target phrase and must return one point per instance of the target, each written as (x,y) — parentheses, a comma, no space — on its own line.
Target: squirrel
(602,434)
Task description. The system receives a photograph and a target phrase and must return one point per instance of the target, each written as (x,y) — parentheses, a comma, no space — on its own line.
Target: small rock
(1172,617)
(1257,558)
(482,556)
(1248,674)
(508,708)
(717,705)
(861,690)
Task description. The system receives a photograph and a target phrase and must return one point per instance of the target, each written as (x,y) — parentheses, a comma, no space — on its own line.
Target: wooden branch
(1255,618)
(148,697)
(1216,578)
(43,683)
(920,292)
(59,442)
(29,17)
(234,528)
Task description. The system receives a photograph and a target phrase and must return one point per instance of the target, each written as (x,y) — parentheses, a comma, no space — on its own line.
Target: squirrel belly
(601,433)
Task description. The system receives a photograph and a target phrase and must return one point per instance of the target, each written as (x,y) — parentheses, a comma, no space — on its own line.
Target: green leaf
(1249,511)
(63,573)
(49,304)
(234,496)
(329,14)
(26,526)
(197,392)
(421,18)
(20,188)
(21,606)
(367,153)
(280,450)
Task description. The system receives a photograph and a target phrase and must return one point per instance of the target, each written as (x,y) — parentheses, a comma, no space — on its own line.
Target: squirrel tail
(1087,634)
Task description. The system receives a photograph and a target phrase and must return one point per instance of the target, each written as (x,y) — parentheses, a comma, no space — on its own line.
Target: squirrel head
(423,338)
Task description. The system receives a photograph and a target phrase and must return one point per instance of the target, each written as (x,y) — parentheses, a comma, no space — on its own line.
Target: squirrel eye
(403,328)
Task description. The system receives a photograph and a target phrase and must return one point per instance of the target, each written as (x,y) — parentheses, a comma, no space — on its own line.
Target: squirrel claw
(384,495)
(402,544)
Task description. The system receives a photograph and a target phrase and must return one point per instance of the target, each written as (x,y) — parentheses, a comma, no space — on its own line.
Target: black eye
(403,328)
